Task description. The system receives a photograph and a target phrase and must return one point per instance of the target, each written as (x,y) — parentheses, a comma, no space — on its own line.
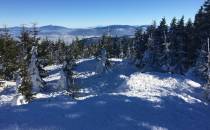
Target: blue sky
(88,13)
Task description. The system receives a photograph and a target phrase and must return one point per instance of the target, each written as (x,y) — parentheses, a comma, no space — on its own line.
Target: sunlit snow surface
(155,86)
(122,98)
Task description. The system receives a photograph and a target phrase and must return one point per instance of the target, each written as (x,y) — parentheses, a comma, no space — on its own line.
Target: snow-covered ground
(155,86)
(121,98)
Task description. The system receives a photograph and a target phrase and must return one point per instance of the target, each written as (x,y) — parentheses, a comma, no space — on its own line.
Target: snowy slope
(154,86)
(121,99)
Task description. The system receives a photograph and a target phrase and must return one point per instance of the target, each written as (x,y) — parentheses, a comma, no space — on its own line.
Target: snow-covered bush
(66,81)
(36,80)
(63,82)
(103,64)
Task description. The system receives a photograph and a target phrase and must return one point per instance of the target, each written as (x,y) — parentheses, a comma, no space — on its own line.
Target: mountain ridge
(54,32)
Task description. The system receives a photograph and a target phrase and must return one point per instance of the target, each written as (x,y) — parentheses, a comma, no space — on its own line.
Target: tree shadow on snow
(106,82)
(107,112)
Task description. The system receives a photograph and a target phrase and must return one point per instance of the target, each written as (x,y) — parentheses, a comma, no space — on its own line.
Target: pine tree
(166,59)
(161,46)
(202,24)
(59,54)
(75,48)
(1,56)
(8,53)
(67,81)
(202,32)
(174,44)
(45,52)
(39,62)
(191,45)
(207,86)
(121,51)
(148,58)
(114,47)
(125,45)
(103,64)
(180,49)
(29,66)
(106,42)
(25,87)
(206,17)
(198,23)
(202,62)
(140,46)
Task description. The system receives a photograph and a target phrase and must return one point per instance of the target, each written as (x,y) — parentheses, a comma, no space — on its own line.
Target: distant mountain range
(68,34)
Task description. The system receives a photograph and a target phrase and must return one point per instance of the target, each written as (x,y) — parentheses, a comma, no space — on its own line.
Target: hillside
(68,34)
(121,98)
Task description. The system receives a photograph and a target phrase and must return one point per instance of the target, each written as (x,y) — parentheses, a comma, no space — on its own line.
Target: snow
(154,86)
(105,112)
(7,93)
(193,84)
(62,82)
(122,98)
(84,60)
(115,59)
(8,83)
(53,77)
(37,82)
(19,100)
(53,67)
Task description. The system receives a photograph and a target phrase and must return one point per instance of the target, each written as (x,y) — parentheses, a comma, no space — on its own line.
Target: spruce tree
(202,24)
(206,17)
(207,86)
(191,45)
(140,46)
(59,53)
(130,54)
(148,58)
(31,82)
(125,45)
(103,64)
(39,61)
(25,88)
(8,53)
(166,59)
(67,81)
(180,48)
(162,46)
(45,52)
(121,51)
(174,44)
(202,62)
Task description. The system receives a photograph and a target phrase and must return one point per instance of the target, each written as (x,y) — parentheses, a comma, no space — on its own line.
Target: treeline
(24,59)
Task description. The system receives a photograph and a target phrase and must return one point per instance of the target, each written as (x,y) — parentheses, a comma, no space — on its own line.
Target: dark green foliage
(59,53)
(191,46)
(23,58)
(68,65)
(26,86)
(159,36)
(140,45)
(8,53)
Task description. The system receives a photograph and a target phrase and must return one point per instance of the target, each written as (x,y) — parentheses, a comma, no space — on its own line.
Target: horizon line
(30,25)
